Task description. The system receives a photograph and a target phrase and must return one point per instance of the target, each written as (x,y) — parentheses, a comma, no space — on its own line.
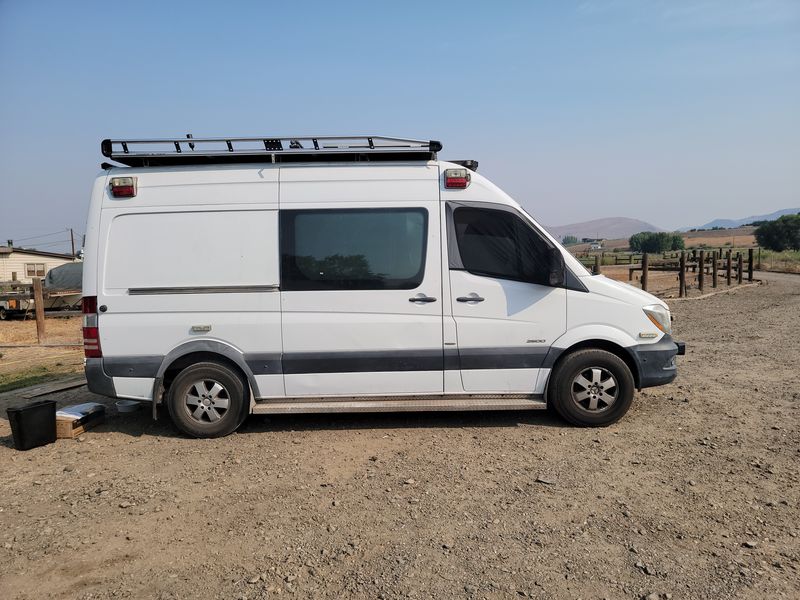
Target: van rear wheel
(591,388)
(207,400)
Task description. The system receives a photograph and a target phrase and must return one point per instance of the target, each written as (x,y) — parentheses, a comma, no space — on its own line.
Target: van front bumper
(656,362)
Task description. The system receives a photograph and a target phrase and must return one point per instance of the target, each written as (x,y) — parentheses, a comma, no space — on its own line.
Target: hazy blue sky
(672,112)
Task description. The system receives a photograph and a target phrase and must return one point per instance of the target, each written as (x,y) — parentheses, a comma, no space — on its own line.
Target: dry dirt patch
(694,494)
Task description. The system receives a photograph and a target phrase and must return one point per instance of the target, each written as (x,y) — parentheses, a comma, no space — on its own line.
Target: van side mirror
(556,263)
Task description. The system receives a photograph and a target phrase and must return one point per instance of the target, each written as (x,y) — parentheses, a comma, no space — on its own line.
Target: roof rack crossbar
(172,151)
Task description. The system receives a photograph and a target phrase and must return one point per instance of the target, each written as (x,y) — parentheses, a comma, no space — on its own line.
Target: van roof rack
(204,151)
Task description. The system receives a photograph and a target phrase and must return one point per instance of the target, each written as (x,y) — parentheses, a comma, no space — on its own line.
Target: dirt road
(693,495)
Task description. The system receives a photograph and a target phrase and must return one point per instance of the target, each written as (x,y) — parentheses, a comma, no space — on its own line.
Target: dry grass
(24,366)
(741,237)
(57,331)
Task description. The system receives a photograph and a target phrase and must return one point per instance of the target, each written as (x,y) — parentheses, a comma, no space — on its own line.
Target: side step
(399,404)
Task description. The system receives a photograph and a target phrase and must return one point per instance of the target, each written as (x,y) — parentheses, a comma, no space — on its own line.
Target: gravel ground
(694,494)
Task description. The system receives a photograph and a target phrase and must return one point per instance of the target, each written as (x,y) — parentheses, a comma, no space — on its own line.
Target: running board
(399,404)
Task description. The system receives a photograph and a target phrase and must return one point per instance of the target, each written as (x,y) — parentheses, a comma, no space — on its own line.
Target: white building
(22,264)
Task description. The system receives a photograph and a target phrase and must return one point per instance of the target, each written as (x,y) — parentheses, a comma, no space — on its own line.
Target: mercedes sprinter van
(230,276)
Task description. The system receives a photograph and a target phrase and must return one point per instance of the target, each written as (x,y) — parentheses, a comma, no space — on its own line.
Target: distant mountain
(729,223)
(609,229)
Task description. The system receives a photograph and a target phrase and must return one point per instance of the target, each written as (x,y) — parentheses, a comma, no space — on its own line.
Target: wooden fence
(30,291)
(701,263)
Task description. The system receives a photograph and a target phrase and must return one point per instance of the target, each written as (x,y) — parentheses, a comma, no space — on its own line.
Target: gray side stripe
(502,358)
(264,364)
(358,362)
(449,359)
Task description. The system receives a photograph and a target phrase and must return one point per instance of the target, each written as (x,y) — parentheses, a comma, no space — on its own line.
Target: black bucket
(33,425)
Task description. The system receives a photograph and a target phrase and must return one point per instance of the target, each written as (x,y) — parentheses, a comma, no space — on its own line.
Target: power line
(35,237)
(60,243)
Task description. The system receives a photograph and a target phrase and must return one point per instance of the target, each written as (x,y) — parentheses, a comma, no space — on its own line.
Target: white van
(224,277)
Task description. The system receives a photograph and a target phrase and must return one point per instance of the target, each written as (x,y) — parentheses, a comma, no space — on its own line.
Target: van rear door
(361,287)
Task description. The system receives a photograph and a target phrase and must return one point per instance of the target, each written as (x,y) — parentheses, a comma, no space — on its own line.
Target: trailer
(61,290)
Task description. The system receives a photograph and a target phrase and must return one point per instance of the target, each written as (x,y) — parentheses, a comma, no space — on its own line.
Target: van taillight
(91,333)
(456,178)
(123,187)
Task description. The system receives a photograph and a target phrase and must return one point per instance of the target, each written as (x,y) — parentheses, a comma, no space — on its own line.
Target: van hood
(600,284)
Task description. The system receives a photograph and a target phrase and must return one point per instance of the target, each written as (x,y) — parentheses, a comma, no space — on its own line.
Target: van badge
(535,341)
(200,328)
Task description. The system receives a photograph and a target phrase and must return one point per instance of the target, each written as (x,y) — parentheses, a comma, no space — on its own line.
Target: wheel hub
(594,389)
(207,401)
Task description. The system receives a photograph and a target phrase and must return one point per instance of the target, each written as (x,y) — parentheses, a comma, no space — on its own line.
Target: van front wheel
(207,400)
(591,388)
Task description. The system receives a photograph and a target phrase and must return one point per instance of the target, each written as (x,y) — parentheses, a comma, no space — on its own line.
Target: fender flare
(213,347)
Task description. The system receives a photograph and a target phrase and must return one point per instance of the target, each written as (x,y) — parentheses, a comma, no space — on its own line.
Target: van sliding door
(361,288)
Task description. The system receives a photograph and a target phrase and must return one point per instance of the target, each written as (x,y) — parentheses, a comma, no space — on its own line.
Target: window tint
(353,249)
(497,243)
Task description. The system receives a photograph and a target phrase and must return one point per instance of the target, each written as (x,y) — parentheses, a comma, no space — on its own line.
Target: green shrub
(654,242)
(781,234)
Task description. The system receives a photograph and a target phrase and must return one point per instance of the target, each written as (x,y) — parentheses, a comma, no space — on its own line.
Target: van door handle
(471,298)
(422,298)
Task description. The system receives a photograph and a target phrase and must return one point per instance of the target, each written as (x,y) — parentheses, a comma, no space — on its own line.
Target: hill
(728,223)
(609,228)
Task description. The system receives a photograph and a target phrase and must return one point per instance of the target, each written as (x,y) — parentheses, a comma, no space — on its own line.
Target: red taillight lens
(91,332)
(123,187)
(456,178)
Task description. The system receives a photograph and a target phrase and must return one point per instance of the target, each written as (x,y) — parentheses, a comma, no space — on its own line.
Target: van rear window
(353,249)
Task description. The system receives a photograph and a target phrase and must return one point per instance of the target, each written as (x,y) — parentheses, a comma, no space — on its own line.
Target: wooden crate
(67,428)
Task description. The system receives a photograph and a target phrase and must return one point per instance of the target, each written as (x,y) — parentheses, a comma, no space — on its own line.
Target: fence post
(715,258)
(694,261)
(739,268)
(728,266)
(750,264)
(759,258)
(682,276)
(597,264)
(644,271)
(38,301)
(701,275)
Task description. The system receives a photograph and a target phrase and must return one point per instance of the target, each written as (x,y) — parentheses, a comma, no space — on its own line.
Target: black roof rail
(470,164)
(190,150)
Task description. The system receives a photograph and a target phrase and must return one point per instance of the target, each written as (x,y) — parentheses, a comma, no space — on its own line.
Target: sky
(673,112)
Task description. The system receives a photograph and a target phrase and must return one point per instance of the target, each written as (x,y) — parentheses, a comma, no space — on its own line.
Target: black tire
(208,418)
(583,384)
(3,314)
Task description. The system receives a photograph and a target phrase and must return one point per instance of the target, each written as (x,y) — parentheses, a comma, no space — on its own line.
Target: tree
(568,240)
(781,234)
(650,241)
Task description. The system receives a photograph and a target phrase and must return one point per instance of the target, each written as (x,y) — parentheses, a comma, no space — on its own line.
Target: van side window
(353,249)
(497,243)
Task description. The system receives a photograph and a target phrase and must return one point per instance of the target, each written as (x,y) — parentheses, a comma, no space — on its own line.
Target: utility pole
(72,241)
